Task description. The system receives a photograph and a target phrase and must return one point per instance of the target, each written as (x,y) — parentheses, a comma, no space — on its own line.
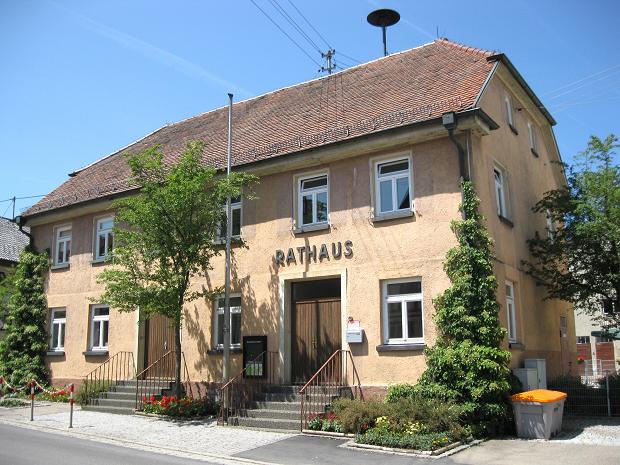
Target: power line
(570,84)
(350,58)
(293,23)
(23,198)
(310,24)
(285,33)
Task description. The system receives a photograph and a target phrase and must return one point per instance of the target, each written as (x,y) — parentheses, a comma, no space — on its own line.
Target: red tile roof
(403,88)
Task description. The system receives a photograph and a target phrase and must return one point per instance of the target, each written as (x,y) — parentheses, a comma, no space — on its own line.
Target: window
(100,327)
(57,326)
(511,316)
(235,321)
(402,312)
(583,339)
(393,186)
(500,192)
(531,132)
(313,200)
(510,118)
(610,307)
(235,209)
(62,247)
(104,238)
(550,225)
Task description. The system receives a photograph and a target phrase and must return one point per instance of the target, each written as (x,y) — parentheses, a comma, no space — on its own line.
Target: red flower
(331,416)
(152,399)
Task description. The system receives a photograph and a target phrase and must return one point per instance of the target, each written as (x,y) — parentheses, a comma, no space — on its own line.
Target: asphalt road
(21,446)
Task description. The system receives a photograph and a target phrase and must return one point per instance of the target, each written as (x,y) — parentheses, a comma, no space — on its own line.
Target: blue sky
(79,80)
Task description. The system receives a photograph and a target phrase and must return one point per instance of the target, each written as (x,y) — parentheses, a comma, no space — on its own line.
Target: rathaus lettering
(313,253)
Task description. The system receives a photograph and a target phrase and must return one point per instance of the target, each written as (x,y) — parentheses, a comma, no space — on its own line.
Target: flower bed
(9,402)
(186,407)
(60,395)
(325,422)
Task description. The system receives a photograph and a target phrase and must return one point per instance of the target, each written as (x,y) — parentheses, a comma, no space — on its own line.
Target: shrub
(400,391)
(357,416)
(185,407)
(12,402)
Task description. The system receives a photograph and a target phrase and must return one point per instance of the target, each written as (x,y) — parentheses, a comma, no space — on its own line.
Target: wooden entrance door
(159,338)
(315,335)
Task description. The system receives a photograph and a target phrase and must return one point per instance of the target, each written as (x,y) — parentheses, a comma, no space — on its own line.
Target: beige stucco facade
(413,245)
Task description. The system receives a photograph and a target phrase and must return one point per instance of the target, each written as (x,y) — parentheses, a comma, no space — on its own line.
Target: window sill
(400,347)
(63,266)
(95,353)
(506,221)
(392,216)
(234,241)
(516,346)
(55,353)
(98,261)
(311,228)
(534,152)
(220,351)
(513,129)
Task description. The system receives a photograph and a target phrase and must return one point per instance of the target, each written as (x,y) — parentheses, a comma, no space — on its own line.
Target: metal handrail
(330,382)
(164,368)
(117,368)
(241,390)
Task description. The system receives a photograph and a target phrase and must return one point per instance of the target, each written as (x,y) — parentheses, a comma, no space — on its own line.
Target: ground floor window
(235,321)
(402,312)
(99,327)
(57,326)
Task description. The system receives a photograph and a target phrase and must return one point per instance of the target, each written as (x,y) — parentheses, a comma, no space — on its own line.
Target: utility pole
(328,56)
(14,198)
(226,328)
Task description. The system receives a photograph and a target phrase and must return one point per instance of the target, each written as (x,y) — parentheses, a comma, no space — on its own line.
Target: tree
(23,348)
(165,235)
(578,260)
(467,364)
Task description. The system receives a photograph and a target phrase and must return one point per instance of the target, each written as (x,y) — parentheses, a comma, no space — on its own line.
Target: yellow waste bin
(538,413)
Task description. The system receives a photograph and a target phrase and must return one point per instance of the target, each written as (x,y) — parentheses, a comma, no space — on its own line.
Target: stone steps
(121,398)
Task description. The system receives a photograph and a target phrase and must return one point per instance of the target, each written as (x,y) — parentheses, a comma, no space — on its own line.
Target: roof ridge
(466,48)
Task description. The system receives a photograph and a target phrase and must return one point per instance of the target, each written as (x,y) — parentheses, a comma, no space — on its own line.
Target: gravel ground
(594,431)
(201,437)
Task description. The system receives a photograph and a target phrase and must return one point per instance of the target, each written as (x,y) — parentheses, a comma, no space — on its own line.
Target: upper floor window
(58,319)
(62,245)
(393,185)
(511,312)
(500,191)
(104,238)
(313,200)
(510,116)
(583,339)
(531,132)
(402,312)
(235,209)
(235,321)
(550,225)
(99,327)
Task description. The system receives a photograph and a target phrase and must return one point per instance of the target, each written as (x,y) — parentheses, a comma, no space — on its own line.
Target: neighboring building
(12,242)
(359,184)
(599,354)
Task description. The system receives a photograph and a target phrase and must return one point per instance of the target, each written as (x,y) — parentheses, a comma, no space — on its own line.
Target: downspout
(450,122)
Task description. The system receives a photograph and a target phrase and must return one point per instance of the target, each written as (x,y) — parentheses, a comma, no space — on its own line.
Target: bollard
(1,385)
(32,400)
(71,400)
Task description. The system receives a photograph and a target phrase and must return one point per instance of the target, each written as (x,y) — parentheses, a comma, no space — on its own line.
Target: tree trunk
(177,355)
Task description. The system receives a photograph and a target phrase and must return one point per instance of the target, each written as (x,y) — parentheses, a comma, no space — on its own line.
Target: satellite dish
(383,18)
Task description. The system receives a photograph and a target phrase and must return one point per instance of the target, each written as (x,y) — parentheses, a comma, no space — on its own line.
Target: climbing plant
(23,348)
(467,364)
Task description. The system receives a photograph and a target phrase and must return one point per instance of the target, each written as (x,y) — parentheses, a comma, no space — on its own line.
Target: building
(12,242)
(359,184)
(597,354)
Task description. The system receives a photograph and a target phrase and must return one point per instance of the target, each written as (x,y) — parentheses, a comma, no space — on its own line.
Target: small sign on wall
(355,334)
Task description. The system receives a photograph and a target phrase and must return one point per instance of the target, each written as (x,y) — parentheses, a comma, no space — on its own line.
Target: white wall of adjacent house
(601,361)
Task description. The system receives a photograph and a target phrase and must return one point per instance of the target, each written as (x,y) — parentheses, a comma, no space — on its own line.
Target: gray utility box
(355,336)
(538,414)
(540,365)
(528,378)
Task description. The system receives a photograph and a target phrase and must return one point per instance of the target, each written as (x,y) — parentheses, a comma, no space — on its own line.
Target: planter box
(414,452)
(328,434)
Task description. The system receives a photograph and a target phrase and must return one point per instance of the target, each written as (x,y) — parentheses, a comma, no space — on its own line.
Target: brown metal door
(315,336)
(159,338)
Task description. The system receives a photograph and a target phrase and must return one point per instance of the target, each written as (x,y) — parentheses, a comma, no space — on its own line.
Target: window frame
(99,319)
(511,312)
(233,310)
(501,201)
(57,240)
(97,233)
(314,192)
(219,239)
(376,197)
(510,115)
(403,299)
(55,346)
(585,339)
(532,138)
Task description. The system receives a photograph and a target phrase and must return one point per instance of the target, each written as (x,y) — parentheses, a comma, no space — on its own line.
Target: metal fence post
(71,400)
(608,399)
(32,400)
